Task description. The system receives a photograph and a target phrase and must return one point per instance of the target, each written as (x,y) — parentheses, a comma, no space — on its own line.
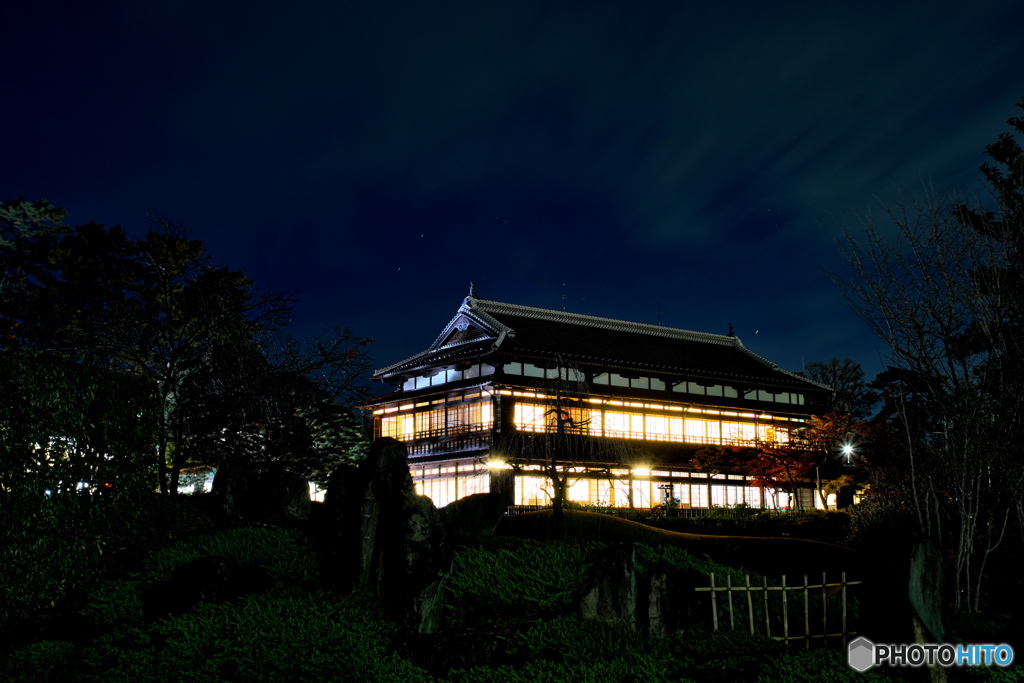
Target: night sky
(378,156)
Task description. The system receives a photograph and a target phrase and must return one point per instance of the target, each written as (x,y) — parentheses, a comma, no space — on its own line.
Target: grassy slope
(770,556)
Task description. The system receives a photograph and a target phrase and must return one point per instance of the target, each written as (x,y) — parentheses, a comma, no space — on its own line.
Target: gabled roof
(503,332)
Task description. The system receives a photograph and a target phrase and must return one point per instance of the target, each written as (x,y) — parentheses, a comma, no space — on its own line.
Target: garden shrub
(285,635)
(286,554)
(45,662)
(294,631)
(529,581)
(75,471)
(114,603)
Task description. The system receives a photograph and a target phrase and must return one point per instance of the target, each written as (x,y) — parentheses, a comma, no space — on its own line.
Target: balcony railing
(464,440)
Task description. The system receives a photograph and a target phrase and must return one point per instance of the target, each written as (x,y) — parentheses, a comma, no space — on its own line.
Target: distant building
(500,374)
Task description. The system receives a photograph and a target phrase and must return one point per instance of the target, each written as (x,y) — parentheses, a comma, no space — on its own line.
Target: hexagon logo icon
(861,654)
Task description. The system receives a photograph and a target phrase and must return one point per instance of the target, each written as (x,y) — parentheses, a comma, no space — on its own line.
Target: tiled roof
(528,332)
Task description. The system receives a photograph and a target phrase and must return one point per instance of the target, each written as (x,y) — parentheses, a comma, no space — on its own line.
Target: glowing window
(529,418)
(696,431)
(641,493)
(738,433)
(657,428)
(397,427)
(616,424)
(675,429)
(532,491)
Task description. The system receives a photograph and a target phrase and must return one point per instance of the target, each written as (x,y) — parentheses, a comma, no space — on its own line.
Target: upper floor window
(438,421)
(634,424)
(445,376)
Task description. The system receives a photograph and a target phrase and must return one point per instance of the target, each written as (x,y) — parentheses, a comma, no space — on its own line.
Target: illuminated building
(499,374)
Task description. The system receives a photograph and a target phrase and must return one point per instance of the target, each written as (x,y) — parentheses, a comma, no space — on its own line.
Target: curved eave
(451,353)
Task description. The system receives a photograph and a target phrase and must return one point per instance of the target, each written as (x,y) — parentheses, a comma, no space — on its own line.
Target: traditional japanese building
(639,400)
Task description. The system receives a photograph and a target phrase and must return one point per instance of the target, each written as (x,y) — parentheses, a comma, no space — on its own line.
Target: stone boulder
(471,519)
(232,485)
(610,591)
(927,589)
(660,601)
(384,537)
(672,603)
(273,494)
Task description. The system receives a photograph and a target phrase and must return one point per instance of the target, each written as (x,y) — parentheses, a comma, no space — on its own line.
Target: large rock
(232,486)
(470,519)
(673,605)
(660,601)
(610,592)
(272,495)
(927,589)
(386,538)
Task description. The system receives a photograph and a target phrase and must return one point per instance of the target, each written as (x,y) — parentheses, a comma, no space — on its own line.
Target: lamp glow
(848,450)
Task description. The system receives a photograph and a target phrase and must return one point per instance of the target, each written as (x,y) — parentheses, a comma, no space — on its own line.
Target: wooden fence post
(728,592)
(807,616)
(714,607)
(785,611)
(844,609)
(767,619)
(824,611)
(807,635)
(750,604)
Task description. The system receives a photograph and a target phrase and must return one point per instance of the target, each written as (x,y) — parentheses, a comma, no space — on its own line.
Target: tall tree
(850,394)
(177,309)
(1006,177)
(240,407)
(209,344)
(946,296)
(154,306)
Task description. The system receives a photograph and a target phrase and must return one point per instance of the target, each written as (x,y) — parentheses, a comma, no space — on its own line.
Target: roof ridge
(484,305)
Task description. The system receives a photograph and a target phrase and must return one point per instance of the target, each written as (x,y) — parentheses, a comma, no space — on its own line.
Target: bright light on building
(848,450)
(642,471)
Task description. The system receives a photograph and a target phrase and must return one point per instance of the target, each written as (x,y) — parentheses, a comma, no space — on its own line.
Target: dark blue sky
(377,156)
